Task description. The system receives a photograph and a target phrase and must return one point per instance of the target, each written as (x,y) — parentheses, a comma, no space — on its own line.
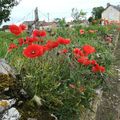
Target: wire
(30,13)
(43,14)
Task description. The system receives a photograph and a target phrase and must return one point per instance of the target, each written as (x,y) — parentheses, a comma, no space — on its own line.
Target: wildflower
(33,51)
(93,62)
(45,48)
(35,33)
(42,33)
(63,41)
(84,61)
(51,44)
(21,41)
(39,33)
(30,40)
(82,32)
(78,52)
(98,68)
(15,29)
(22,27)
(11,47)
(63,51)
(88,49)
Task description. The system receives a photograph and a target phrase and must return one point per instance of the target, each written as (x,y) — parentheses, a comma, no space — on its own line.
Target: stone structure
(111,13)
(43,24)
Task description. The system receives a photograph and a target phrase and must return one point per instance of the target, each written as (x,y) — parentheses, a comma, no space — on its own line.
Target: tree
(78,15)
(5,9)
(60,22)
(97,11)
(90,19)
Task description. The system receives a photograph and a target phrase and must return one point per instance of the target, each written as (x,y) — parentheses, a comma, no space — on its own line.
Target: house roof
(42,23)
(116,7)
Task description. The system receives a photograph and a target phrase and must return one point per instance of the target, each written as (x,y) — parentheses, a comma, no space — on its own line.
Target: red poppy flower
(51,44)
(84,61)
(102,69)
(42,33)
(78,52)
(33,51)
(30,40)
(82,32)
(93,62)
(21,41)
(63,41)
(15,29)
(45,48)
(63,51)
(22,27)
(98,68)
(37,33)
(11,47)
(88,49)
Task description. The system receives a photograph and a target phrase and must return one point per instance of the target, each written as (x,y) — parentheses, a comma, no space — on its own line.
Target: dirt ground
(109,108)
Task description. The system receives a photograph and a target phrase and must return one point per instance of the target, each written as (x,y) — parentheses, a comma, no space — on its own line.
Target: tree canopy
(97,11)
(5,9)
(61,22)
(78,15)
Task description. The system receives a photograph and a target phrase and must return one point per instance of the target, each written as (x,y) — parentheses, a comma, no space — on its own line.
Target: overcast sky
(55,8)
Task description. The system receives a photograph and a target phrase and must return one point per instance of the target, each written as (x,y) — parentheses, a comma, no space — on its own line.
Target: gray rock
(31,119)
(24,94)
(7,76)
(5,68)
(6,104)
(11,114)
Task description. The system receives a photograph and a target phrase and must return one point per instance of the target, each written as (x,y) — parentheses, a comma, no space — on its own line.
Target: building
(42,24)
(111,13)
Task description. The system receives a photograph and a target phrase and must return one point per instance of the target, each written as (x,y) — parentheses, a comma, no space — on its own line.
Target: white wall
(111,14)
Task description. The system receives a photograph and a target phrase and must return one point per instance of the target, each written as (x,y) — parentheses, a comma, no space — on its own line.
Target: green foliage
(78,15)
(65,86)
(90,19)
(61,22)
(5,9)
(97,11)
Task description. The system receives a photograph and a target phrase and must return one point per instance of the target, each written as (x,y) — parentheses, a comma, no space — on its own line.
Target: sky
(56,9)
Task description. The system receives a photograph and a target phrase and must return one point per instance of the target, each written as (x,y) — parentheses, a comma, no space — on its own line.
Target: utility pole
(35,23)
(36,19)
(48,17)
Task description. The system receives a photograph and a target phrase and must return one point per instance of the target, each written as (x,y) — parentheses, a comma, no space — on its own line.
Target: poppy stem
(6,52)
(6,55)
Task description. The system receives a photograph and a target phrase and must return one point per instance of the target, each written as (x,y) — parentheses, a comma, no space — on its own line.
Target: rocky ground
(109,108)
